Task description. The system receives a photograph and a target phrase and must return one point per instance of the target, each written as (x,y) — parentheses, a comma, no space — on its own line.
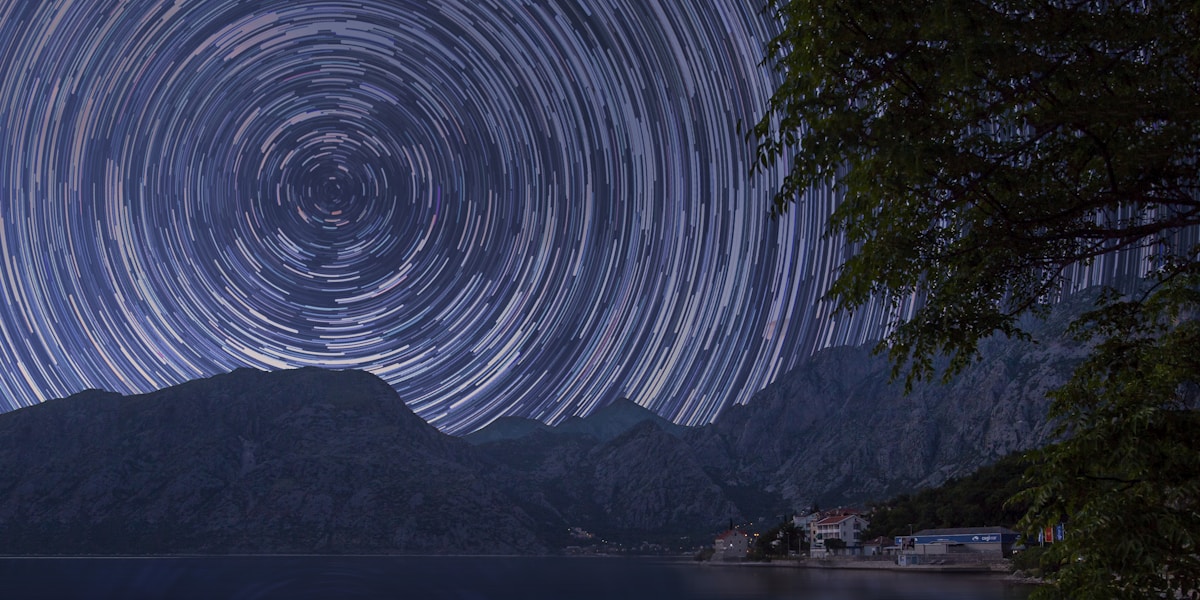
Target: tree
(983,149)
(977,500)
(777,541)
(1127,479)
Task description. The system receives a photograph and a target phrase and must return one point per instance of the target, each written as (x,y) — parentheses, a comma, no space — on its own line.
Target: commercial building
(987,542)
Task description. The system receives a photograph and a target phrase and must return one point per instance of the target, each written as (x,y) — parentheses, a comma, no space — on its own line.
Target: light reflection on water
(471,578)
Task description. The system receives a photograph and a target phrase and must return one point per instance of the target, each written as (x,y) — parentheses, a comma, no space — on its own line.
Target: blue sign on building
(967,538)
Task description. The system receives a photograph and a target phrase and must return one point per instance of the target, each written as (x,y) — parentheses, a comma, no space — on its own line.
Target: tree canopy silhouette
(984,148)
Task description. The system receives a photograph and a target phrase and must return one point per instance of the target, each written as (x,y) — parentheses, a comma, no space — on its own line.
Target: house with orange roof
(846,526)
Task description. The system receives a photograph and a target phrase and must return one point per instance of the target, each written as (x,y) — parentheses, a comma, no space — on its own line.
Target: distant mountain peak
(505,428)
(614,419)
(604,424)
(621,406)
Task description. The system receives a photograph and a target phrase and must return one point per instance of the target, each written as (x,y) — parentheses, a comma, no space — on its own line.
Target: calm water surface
(471,578)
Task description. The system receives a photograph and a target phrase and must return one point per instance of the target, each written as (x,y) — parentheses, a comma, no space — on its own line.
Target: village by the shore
(833,539)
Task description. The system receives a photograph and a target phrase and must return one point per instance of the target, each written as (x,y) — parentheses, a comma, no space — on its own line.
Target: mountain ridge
(604,424)
(292,461)
(310,460)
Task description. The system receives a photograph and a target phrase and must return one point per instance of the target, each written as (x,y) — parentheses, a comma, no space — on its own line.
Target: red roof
(834,519)
(730,533)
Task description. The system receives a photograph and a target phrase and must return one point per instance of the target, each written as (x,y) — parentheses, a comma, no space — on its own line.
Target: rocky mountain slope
(644,482)
(622,470)
(818,435)
(834,430)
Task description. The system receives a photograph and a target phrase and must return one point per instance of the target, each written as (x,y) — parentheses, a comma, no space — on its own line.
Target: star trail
(500,207)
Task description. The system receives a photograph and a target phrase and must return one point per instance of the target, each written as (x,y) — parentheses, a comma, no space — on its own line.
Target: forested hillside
(977,500)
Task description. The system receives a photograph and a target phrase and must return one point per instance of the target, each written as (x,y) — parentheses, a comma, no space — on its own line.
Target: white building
(803,524)
(847,527)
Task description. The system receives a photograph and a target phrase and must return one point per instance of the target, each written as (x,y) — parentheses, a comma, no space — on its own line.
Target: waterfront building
(846,527)
(994,542)
(731,545)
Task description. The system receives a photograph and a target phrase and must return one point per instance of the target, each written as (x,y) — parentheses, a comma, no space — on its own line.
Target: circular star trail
(500,207)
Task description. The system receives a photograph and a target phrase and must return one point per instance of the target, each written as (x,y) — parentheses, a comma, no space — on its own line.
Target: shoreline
(997,569)
(994,568)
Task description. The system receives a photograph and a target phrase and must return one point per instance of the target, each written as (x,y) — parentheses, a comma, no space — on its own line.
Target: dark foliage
(978,500)
(984,149)
(777,542)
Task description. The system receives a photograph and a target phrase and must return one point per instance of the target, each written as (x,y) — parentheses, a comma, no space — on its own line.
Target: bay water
(472,578)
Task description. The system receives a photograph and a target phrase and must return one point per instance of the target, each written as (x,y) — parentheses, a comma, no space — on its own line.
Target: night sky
(500,207)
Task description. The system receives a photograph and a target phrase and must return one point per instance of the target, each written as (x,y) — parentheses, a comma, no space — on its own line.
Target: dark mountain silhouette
(613,420)
(643,482)
(333,461)
(293,461)
(506,428)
